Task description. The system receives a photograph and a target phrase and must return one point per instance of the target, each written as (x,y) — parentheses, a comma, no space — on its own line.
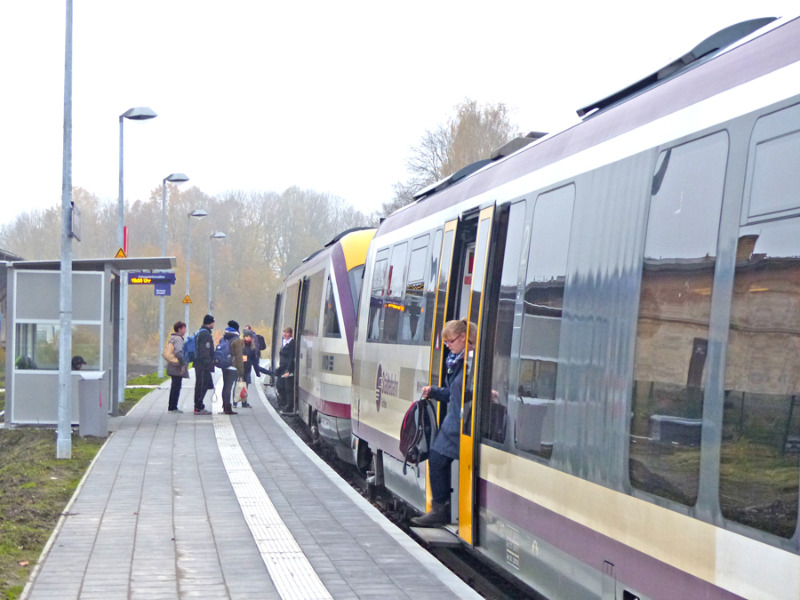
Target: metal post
(199,213)
(64,435)
(214,236)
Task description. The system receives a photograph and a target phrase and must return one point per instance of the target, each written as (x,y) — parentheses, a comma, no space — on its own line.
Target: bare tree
(472,134)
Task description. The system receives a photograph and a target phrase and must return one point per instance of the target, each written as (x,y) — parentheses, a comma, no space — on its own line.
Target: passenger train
(630,414)
(318,302)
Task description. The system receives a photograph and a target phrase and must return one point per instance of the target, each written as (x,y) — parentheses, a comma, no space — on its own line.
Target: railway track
(461,562)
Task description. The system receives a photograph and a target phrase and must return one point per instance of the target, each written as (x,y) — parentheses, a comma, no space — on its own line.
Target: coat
(177,366)
(204,350)
(448,438)
(237,344)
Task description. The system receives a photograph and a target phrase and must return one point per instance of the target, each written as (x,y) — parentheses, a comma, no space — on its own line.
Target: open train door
(459,295)
(467,479)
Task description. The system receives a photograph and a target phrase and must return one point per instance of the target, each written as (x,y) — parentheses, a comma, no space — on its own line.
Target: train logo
(386,383)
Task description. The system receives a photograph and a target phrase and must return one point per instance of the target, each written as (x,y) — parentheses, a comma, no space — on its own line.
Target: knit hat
(249,332)
(233,324)
(208,319)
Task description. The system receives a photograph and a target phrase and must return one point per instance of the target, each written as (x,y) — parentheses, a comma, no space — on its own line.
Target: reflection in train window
(494,419)
(312,290)
(330,326)
(541,321)
(674,311)
(414,307)
(393,306)
(759,476)
(430,285)
(377,295)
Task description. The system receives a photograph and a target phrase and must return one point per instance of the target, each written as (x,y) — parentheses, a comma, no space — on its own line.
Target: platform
(225,507)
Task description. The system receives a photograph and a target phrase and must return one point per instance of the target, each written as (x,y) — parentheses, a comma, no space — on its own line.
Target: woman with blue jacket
(446,444)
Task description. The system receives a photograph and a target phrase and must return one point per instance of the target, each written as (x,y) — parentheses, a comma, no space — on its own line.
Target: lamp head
(140,113)
(198,212)
(176,177)
(218,235)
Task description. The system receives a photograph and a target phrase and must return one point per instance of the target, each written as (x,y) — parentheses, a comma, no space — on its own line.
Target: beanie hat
(233,324)
(208,319)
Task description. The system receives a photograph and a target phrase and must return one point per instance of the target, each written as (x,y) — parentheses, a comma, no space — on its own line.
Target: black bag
(417,432)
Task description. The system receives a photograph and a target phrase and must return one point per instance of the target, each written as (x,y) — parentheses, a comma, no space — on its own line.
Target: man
(284,384)
(203,364)
(234,371)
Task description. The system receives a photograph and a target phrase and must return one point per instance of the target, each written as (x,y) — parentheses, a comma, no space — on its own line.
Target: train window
(330,327)
(494,419)
(413,313)
(541,321)
(356,278)
(312,291)
(674,310)
(430,285)
(290,307)
(377,293)
(773,176)
(393,307)
(760,455)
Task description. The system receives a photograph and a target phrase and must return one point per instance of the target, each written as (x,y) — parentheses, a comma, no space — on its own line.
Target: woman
(445,446)
(177,368)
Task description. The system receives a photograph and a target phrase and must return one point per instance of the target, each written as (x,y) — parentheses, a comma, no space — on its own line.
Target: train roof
(755,55)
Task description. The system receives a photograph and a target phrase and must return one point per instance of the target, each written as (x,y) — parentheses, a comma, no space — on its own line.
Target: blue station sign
(161,277)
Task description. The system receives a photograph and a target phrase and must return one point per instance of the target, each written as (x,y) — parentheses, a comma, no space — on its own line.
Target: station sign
(163,277)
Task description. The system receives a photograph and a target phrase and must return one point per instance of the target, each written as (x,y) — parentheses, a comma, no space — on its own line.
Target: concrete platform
(228,507)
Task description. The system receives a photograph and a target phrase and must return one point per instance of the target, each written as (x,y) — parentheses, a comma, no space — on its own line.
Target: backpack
(261,343)
(417,432)
(222,354)
(189,349)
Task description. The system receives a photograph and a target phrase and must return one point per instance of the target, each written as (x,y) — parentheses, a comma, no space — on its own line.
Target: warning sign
(120,254)
(187,300)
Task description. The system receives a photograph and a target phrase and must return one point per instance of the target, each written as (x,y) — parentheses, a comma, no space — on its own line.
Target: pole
(188,256)
(64,435)
(122,368)
(210,276)
(162,299)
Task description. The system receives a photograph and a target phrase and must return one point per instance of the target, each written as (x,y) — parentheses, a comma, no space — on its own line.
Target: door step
(437,537)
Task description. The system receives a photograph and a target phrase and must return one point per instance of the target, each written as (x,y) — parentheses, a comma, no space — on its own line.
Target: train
(630,420)
(317,301)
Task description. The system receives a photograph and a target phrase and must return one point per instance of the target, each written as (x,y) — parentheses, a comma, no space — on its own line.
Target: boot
(438,515)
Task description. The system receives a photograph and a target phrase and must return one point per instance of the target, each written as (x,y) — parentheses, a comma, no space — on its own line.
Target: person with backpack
(250,357)
(203,364)
(177,365)
(455,335)
(228,357)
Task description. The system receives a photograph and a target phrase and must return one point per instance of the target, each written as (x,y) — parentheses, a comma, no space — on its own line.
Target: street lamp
(214,236)
(174,178)
(140,113)
(199,213)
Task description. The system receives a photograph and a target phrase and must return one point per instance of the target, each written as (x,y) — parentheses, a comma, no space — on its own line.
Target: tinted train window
(413,310)
(393,307)
(376,298)
(541,321)
(312,291)
(331,320)
(290,307)
(495,419)
(760,458)
(674,311)
(430,285)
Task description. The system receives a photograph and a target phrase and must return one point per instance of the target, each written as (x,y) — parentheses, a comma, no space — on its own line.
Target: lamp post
(140,113)
(214,236)
(199,213)
(174,178)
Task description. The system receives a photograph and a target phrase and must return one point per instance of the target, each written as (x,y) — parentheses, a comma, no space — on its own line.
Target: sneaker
(202,412)
(177,411)
(246,405)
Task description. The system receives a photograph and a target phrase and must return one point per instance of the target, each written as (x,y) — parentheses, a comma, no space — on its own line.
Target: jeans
(203,383)
(175,391)
(439,470)
(229,379)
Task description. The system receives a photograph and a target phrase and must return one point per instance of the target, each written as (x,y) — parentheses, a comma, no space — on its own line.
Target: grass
(35,487)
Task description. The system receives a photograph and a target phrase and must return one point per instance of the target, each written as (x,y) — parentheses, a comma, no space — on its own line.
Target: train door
(285,385)
(459,295)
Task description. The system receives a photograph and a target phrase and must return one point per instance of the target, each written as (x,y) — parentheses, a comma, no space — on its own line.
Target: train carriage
(630,418)
(317,301)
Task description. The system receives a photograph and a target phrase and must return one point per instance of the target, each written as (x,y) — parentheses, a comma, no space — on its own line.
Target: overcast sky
(330,96)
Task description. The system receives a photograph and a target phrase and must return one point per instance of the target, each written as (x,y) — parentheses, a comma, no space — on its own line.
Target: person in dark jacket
(203,364)
(285,371)
(234,372)
(177,368)
(458,336)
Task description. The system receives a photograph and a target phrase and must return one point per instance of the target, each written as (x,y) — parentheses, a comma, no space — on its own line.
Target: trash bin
(93,410)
